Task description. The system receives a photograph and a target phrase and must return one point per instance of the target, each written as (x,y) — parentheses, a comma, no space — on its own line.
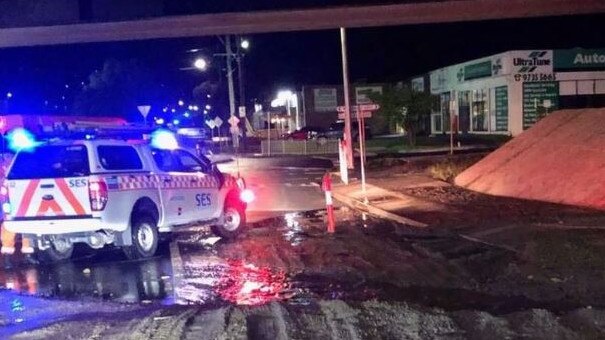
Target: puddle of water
(213,280)
(127,282)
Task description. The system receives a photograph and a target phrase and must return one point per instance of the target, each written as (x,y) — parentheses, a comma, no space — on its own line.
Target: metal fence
(299,147)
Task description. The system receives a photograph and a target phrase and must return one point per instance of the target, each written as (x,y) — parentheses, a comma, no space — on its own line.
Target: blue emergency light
(20,139)
(164,139)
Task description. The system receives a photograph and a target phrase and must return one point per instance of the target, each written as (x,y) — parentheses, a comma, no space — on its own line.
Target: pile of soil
(561,159)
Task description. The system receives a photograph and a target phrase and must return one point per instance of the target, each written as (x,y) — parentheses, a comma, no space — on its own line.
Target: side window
(164,160)
(188,163)
(119,157)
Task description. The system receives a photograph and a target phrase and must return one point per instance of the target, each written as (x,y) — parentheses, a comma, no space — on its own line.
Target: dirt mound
(561,159)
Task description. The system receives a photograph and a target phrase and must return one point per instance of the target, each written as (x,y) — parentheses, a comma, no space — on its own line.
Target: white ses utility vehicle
(116,192)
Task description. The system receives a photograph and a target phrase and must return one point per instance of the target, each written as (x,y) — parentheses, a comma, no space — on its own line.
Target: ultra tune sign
(531,66)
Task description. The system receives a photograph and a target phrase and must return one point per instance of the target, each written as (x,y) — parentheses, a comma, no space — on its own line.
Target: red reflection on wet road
(247,284)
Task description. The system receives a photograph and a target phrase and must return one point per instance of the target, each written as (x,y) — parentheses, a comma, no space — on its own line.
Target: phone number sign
(532,77)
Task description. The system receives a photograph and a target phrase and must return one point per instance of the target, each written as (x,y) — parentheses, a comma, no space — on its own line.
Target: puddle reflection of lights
(246,284)
(291,220)
(293,229)
(122,282)
(233,281)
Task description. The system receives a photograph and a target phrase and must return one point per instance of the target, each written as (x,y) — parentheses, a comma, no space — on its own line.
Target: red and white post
(327,187)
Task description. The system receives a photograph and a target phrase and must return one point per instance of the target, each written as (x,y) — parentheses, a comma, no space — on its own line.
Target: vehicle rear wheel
(145,238)
(234,220)
(59,250)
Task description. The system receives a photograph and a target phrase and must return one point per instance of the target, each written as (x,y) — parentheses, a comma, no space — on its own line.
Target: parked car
(336,131)
(305,133)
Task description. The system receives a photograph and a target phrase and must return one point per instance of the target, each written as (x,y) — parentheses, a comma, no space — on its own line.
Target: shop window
(480,110)
(464,110)
(436,123)
(445,111)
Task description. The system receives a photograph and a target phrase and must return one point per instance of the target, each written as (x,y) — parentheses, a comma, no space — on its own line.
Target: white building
(508,92)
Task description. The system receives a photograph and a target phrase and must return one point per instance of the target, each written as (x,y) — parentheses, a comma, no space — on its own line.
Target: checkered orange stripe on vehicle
(166,182)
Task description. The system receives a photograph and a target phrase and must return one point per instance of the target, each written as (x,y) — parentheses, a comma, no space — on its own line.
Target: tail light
(97,191)
(4,199)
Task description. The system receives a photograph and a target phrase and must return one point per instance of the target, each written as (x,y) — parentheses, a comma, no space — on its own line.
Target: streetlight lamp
(245,44)
(200,64)
(288,99)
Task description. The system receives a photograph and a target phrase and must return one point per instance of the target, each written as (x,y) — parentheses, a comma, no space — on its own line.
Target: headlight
(247,196)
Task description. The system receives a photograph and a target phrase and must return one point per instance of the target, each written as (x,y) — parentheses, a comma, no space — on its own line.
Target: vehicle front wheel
(233,221)
(59,250)
(145,238)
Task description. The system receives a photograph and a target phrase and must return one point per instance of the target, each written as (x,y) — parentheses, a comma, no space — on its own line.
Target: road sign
(144,110)
(364,114)
(218,122)
(364,107)
(369,107)
(211,123)
(242,111)
(233,121)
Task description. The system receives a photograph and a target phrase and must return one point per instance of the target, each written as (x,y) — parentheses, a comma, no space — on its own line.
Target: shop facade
(509,92)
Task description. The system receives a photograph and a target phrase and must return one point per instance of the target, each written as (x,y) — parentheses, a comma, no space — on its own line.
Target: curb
(364,207)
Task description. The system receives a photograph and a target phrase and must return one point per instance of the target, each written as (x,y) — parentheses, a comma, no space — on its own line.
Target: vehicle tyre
(57,252)
(145,238)
(234,220)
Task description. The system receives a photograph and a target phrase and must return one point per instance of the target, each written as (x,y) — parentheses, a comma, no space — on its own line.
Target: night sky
(289,60)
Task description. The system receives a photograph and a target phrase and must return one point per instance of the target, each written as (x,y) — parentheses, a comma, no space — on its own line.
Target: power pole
(242,94)
(230,75)
(345,81)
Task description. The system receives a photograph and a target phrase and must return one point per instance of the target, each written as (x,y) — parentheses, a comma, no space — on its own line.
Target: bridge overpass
(293,20)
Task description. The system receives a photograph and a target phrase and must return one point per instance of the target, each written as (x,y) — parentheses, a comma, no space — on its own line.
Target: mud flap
(124,238)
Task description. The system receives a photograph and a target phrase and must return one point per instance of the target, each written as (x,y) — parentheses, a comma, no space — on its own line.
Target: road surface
(279,189)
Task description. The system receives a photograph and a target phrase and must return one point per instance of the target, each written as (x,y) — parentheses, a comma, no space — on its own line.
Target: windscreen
(51,161)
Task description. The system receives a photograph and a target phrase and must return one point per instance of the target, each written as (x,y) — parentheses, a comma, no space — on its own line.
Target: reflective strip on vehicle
(27,197)
(69,195)
(190,182)
(230,182)
(138,182)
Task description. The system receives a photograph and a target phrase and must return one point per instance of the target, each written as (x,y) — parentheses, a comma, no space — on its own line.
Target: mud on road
(286,278)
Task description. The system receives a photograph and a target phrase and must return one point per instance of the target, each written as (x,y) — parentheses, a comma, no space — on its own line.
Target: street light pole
(345,81)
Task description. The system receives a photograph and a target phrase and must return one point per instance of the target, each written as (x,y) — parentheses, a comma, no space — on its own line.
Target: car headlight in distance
(247,196)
